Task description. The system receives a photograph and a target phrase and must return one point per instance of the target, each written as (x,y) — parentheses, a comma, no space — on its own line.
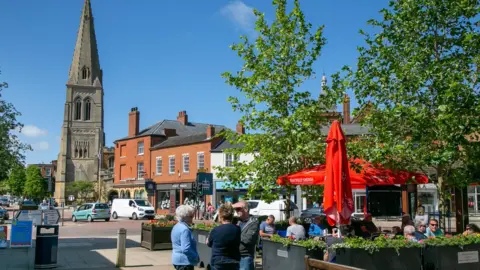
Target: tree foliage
(285,119)
(82,190)
(419,72)
(11,148)
(35,185)
(17,180)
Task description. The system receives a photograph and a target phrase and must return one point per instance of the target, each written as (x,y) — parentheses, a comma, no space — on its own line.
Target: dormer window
(85,73)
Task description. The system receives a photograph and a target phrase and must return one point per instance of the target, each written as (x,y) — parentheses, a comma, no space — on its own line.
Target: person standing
(184,246)
(249,236)
(225,241)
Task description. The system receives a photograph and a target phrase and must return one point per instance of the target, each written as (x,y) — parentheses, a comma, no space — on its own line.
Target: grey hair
(420,223)
(409,230)
(184,211)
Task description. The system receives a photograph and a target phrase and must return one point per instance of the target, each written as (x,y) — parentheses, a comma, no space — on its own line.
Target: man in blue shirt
(267,228)
(317,227)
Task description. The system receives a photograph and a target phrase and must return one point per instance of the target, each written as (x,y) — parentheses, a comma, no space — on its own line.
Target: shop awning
(368,176)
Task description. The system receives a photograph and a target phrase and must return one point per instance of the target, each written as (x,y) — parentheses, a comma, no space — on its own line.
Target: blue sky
(159,56)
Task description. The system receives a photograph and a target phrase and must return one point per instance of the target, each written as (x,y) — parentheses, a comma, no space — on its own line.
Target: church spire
(85,68)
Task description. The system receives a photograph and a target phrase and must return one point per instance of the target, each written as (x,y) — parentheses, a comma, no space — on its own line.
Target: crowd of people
(234,243)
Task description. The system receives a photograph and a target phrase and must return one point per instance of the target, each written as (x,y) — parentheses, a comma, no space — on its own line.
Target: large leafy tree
(284,119)
(35,185)
(11,148)
(82,190)
(16,180)
(419,74)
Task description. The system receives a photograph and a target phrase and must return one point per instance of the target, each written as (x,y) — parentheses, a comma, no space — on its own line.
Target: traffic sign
(51,217)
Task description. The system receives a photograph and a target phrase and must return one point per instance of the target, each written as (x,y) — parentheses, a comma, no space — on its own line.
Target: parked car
(4,213)
(275,208)
(91,212)
(132,208)
(308,215)
(4,202)
(28,205)
(45,206)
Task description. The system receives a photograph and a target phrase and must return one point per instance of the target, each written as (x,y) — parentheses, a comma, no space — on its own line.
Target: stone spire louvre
(85,68)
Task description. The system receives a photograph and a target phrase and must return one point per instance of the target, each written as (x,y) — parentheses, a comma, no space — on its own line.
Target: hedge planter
(383,258)
(277,256)
(452,257)
(204,252)
(156,238)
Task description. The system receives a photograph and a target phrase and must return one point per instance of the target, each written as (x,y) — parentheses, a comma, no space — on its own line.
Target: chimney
(210,131)
(240,128)
(133,122)
(346,109)
(183,117)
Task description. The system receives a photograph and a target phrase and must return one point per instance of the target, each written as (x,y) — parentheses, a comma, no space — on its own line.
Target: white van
(132,208)
(275,208)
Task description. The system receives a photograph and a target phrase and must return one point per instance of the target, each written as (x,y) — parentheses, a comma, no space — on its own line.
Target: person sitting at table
(397,231)
(295,231)
(471,229)
(409,233)
(267,228)
(368,223)
(421,228)
(433,230)
(317,227)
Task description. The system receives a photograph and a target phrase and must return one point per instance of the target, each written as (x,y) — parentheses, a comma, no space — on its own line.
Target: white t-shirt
(297,231)
(423,218)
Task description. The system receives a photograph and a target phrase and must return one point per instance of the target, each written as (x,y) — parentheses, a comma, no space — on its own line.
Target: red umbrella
(337,199)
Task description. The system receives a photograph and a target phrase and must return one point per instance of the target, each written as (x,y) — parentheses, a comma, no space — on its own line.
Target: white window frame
(138,171)
(157,171)
(185,156)
(202,154)
(138,148)
(170,158)
(229,159)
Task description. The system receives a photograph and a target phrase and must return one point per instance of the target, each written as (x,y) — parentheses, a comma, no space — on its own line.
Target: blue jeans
(247,263)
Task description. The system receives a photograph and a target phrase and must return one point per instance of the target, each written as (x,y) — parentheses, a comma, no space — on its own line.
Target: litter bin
(46,247)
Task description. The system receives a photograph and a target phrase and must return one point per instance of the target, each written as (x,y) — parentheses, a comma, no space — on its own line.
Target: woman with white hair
(409,233)
(184,246)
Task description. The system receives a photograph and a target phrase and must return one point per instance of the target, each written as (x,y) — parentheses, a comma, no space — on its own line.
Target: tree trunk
(442,199)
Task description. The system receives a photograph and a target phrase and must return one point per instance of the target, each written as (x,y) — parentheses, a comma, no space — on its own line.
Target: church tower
(82,136)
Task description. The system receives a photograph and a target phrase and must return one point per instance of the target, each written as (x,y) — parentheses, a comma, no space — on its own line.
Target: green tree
(11,149)
(16,180)
(35,185)
(419,72)
(82,190)
(285,119)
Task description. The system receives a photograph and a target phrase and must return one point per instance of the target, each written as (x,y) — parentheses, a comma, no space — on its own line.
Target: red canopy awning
(368,176)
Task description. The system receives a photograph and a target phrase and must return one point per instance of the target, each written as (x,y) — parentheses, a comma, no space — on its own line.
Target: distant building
(48,171)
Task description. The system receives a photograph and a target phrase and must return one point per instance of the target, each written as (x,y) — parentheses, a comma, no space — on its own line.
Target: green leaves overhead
(285,120)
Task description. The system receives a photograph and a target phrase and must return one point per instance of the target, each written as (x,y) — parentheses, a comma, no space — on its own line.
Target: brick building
(170,152)
(48,171)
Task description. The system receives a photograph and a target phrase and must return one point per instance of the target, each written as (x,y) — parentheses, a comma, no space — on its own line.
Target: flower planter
(204,252)
(156,238)
(384,258)
(452,257)
(276,256)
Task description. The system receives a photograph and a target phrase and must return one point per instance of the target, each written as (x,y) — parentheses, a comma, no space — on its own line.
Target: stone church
(82,136)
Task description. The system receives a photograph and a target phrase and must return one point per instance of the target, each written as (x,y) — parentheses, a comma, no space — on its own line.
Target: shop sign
(205,183)
(177,186)
(150,187)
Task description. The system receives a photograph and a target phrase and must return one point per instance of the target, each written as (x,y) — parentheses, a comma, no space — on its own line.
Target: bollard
(121,247)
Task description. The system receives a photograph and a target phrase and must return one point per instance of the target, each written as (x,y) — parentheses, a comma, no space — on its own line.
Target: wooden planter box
(156,238)
(204,252)
(385,258)
(277,256)
(452,258)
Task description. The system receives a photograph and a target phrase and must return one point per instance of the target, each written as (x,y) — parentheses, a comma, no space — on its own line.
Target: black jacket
(249,238)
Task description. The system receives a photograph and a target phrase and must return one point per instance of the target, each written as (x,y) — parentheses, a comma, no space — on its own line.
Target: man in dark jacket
(249,236)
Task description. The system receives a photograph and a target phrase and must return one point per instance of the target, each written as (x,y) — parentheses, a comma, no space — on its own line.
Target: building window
(48,172)
(140,171)
(171,164)
(140,148)
(186,163)
(111,162)
(159,166)
(85,73)
(78,109)
(88,107)
(201,160)
(123,150)
(230,159)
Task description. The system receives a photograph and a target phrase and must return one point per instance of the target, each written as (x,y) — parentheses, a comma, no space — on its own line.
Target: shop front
(223,192)
(170,196)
